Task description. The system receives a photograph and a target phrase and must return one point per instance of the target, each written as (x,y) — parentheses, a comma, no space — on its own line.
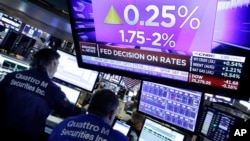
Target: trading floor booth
(187,63)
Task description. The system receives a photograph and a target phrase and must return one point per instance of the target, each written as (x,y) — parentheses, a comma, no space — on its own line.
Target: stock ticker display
(173,105)
(217,70)
(149,39)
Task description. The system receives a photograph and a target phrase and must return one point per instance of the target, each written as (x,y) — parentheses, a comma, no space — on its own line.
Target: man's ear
(54,63)
(111,114)
(139,125)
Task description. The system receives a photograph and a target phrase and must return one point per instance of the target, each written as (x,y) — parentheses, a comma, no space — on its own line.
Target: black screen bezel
(241,93)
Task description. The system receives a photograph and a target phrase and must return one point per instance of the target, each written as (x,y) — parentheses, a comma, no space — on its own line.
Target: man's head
(104,103)
(47,58)
(137,119)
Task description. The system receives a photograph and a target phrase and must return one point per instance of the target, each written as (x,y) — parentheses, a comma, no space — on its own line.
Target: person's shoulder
(68,120)
(10,76)
(74,118)
(118,135)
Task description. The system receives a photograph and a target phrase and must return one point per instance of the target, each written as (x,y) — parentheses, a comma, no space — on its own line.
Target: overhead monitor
(215,124)
(31,31)
(69,72)
(176,106)
(71,93)
(180,41)
(10,22)
(154,131)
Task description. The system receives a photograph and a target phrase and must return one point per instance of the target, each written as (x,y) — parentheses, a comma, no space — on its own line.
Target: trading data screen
(216,124)
(177,106)
(153,131)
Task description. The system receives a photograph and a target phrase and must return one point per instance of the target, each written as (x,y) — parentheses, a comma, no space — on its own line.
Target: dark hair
(137,117)
(103,102)
(44,57)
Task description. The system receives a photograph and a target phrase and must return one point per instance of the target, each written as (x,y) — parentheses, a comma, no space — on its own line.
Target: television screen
(71,93)
(159,40)
(173,105)
(215,124)
(154,131)
(68,71)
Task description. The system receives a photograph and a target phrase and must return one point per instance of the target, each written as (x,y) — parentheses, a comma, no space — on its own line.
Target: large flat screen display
(176,106)
(68,71)
(176,40)
(154,131)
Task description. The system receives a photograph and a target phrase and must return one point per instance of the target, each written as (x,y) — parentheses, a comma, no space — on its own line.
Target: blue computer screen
(173,105)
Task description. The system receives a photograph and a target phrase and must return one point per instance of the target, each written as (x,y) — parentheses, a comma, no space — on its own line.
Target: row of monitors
(181,108)
(178,107)
(68,71)
(15,24)
(215,126)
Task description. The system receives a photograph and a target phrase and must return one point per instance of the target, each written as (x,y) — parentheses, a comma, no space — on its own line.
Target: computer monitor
(68,71)
(154,131)
(121,126)
(215,124)
(71,93)
(173,105)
